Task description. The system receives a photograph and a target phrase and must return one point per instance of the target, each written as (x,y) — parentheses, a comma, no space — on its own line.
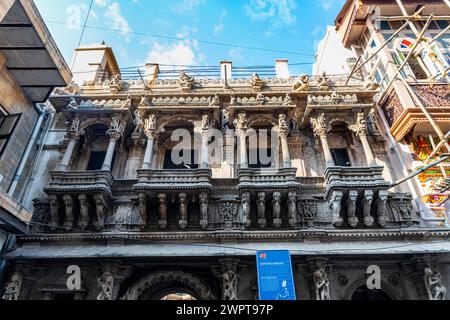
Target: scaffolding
(421,45)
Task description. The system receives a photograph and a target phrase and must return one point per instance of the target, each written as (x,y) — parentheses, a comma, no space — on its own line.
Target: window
(340,157)
(173,161)
(384,25)
(97,159)
(264,158)
(7,126)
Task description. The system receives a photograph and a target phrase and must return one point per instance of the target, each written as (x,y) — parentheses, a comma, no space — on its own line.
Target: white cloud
(181,53)
(115,19)
(185,7)
(278,13)
(219,27)
(326,4)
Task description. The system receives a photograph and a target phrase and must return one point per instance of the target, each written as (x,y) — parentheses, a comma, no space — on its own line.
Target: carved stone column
(292,209)
(367,208)
(335,202)
(283,130)
(162,211)
(261,205)
(73,141)
(351,208)
(142,201)
(183,211)
(83,221)
(115,133)
(69,216)
(101,209)
(241,130)
(319,126)
(54,211)
(276,203)
(204,161)
(228,272)
(134,157)
(245,209)
(203,210)
(150,132)
(382,208)
(360,129)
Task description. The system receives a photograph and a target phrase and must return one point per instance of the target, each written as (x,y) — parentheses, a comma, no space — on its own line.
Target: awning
(69,251)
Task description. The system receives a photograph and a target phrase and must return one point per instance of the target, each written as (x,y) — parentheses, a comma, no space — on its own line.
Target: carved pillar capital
(319,125)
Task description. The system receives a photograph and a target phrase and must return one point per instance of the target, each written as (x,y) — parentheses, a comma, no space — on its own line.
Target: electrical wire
(82,32)
(186,39)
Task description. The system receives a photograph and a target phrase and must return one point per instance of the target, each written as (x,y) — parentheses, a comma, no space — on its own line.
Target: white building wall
(331,56)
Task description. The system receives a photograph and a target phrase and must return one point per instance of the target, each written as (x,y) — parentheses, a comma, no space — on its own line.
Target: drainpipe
(42,111)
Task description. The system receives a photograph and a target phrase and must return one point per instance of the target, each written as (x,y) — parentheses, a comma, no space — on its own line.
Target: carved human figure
(183,211)
(162,198)
(73,105)
(322,285)
(185,81)
(203,211)
(323,82)
(84,212)
(241,121)
(382,208)
(215,101)
(101,207)
(142,202)
(230,282)
(138,123)
(116,83)
(245,209)
(54,211)
(205,122)
(12,289)
(69,215)
(287,101)
(301,83)
(292,209)
(353,220)
(434,285)
(261,205)
(256,80)
(276,204)
(106,285)
(308,212)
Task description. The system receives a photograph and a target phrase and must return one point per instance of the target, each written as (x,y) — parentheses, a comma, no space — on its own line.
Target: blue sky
(294,26)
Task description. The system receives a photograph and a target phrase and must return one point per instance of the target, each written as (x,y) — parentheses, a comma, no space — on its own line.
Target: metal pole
(419,39)
(353,70)
(445,157)
(439,146)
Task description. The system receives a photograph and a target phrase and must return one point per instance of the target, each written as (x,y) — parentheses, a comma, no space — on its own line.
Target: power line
(184,38)
(82,32)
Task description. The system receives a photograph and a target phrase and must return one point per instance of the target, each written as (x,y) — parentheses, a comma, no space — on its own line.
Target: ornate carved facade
(141,225)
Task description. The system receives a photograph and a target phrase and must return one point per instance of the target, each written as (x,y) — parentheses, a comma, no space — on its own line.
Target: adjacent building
(31,66)
(415,110)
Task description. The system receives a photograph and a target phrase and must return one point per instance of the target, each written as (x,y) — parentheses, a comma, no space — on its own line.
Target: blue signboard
(275,277)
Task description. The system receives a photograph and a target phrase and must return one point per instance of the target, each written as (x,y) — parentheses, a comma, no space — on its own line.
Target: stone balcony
(174,180)
(268,179)
(358,198)
(80,182)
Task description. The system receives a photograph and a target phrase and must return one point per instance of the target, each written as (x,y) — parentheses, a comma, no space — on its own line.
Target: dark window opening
(174,161)
(341,158)
(260,159)
(97,159)
(7,125)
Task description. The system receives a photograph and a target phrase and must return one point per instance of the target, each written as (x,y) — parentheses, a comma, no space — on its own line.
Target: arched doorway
(170,285)
(364,294)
